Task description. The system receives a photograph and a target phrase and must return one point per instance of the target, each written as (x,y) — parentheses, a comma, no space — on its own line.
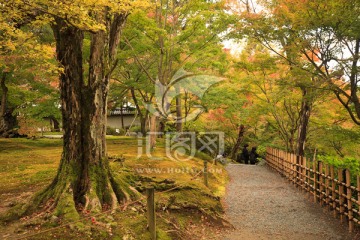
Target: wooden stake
(150,192)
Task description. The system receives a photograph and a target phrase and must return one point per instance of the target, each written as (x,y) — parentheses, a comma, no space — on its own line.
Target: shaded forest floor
(263,205)
(186,210)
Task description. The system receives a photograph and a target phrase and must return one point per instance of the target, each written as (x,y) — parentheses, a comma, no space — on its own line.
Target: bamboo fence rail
(333,188)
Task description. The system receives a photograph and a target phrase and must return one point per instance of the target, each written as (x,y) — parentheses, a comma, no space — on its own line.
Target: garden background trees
(319,46)
(27,69)
(171,37)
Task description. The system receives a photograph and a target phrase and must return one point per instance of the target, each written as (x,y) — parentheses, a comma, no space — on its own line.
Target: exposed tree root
(60,198)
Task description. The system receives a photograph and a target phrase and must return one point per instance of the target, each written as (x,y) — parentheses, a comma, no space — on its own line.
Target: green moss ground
(27,166)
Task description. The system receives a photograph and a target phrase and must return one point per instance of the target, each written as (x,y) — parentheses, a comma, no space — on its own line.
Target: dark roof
(124,111)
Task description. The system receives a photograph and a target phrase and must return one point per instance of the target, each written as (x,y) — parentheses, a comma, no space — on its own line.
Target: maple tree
(169,38)
(328,43)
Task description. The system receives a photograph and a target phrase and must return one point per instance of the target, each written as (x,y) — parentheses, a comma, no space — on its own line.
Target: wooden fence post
(278,161)
(206,174)
(320,182)
(349,202)
(341,194)
(327,186)
(283,154)
(303,173)
(150,192)
(333,190)
(297,167)
(309,177)
(293,157)
(288,166)
(315,181)
(282,163)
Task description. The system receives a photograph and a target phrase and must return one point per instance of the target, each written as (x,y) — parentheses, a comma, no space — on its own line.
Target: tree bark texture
(84,175)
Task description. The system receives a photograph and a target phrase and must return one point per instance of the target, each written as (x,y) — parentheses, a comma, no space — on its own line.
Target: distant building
(124,117)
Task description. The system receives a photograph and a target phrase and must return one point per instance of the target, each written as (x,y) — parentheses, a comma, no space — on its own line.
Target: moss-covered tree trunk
(84,180)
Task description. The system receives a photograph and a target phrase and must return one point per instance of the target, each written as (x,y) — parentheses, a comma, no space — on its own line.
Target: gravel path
(263,205)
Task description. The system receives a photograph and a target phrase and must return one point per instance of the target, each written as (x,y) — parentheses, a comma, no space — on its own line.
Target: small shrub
(112,131)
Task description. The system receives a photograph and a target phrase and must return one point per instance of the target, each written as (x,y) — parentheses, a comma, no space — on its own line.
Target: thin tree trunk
(4,90)
(238,141)
(304,122)
(143,126)
(55,126)
(141,115)
(7,120)
(122,116)
(153,130)
(179,119)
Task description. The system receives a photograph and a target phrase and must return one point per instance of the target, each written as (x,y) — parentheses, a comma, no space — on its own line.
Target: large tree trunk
(84,169)
(84,180)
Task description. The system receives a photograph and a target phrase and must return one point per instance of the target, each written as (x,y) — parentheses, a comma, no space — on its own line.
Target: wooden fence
(334,188)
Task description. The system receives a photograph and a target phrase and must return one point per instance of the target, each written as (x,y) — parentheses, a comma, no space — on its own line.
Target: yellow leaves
(88,15)
(8,45)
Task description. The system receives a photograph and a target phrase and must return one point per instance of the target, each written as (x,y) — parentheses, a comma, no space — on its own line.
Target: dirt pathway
(263,205)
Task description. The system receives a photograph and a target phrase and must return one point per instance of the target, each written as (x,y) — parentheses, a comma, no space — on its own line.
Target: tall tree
(84,180)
